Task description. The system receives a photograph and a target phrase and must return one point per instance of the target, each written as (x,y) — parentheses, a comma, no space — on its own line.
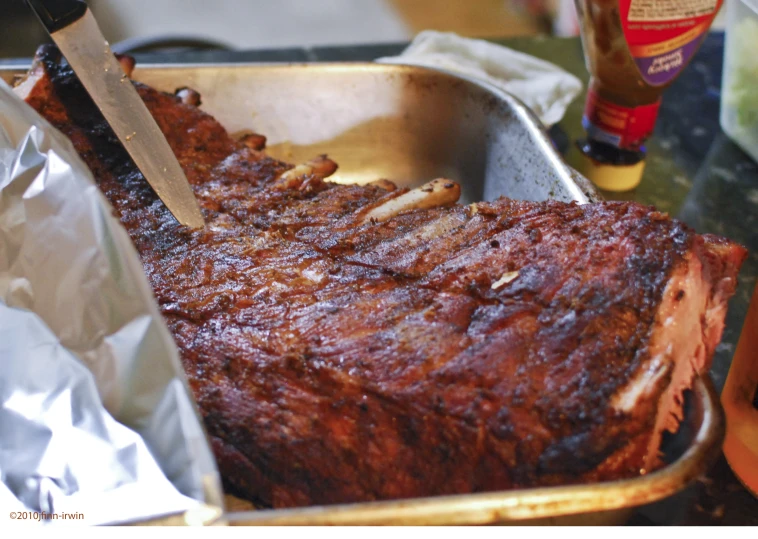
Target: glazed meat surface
(337,356)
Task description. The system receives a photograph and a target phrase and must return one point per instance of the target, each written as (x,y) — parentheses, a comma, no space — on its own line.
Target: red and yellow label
(623,127)
(662,35)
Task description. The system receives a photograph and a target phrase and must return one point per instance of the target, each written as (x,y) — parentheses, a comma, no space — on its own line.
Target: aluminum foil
(96,417)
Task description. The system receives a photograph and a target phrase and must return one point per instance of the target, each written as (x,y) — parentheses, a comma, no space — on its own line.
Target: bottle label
(664,34)
(623,127)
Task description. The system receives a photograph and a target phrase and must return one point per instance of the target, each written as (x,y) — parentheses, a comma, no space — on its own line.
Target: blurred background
(267,24)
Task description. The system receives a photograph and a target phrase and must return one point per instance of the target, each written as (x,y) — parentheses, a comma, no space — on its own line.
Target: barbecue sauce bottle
(634,49)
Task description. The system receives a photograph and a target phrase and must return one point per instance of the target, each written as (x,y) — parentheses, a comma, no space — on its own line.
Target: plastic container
(740,401)
(739,91)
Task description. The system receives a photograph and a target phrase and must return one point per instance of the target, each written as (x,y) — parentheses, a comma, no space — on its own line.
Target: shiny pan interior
(403,123)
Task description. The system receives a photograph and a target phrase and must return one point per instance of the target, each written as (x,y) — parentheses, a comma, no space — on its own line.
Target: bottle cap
(611,177)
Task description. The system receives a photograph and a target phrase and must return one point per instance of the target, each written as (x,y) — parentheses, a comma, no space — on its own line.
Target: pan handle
(57,14)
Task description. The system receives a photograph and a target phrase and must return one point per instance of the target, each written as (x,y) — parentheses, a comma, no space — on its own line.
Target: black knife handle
(57,14)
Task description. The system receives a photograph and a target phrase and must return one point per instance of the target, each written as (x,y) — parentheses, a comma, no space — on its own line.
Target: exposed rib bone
(24,86)
(188,96)
(436,193)
(127,64)
(254,141)
(384,184)
(321,167)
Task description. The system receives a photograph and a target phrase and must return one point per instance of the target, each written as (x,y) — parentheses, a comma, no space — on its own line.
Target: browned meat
(342,348)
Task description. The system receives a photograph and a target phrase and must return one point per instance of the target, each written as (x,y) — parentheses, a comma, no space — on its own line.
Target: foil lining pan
(96,422)
(405,123)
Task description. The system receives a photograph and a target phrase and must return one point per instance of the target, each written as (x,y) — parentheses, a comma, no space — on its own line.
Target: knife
(76,33)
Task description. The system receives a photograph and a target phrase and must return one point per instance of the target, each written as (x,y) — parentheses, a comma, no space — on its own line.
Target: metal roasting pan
(406,124)
(410,125)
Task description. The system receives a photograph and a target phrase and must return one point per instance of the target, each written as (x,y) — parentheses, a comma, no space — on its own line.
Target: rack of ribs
(349,343)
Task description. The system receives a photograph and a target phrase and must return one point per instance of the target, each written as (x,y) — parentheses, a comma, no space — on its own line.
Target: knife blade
(77,34)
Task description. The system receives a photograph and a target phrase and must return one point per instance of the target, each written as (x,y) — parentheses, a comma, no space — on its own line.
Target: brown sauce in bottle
(634,49)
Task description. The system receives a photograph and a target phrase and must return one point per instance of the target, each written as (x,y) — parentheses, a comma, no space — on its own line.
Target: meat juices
(349,343)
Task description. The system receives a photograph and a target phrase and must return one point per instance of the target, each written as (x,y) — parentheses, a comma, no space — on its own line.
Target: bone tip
(254,141)
(385,184)
(188,96)
(127,63)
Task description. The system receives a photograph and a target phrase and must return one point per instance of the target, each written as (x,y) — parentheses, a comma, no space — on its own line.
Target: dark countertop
(693,171)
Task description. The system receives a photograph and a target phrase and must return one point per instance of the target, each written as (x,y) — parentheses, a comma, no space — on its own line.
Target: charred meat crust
(339,360)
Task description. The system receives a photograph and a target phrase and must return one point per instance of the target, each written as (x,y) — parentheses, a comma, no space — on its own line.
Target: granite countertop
(693,171)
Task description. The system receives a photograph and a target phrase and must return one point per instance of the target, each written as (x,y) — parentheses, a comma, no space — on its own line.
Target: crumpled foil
(96,418)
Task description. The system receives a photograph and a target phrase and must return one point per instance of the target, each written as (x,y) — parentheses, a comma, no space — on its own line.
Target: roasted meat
(348,343)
